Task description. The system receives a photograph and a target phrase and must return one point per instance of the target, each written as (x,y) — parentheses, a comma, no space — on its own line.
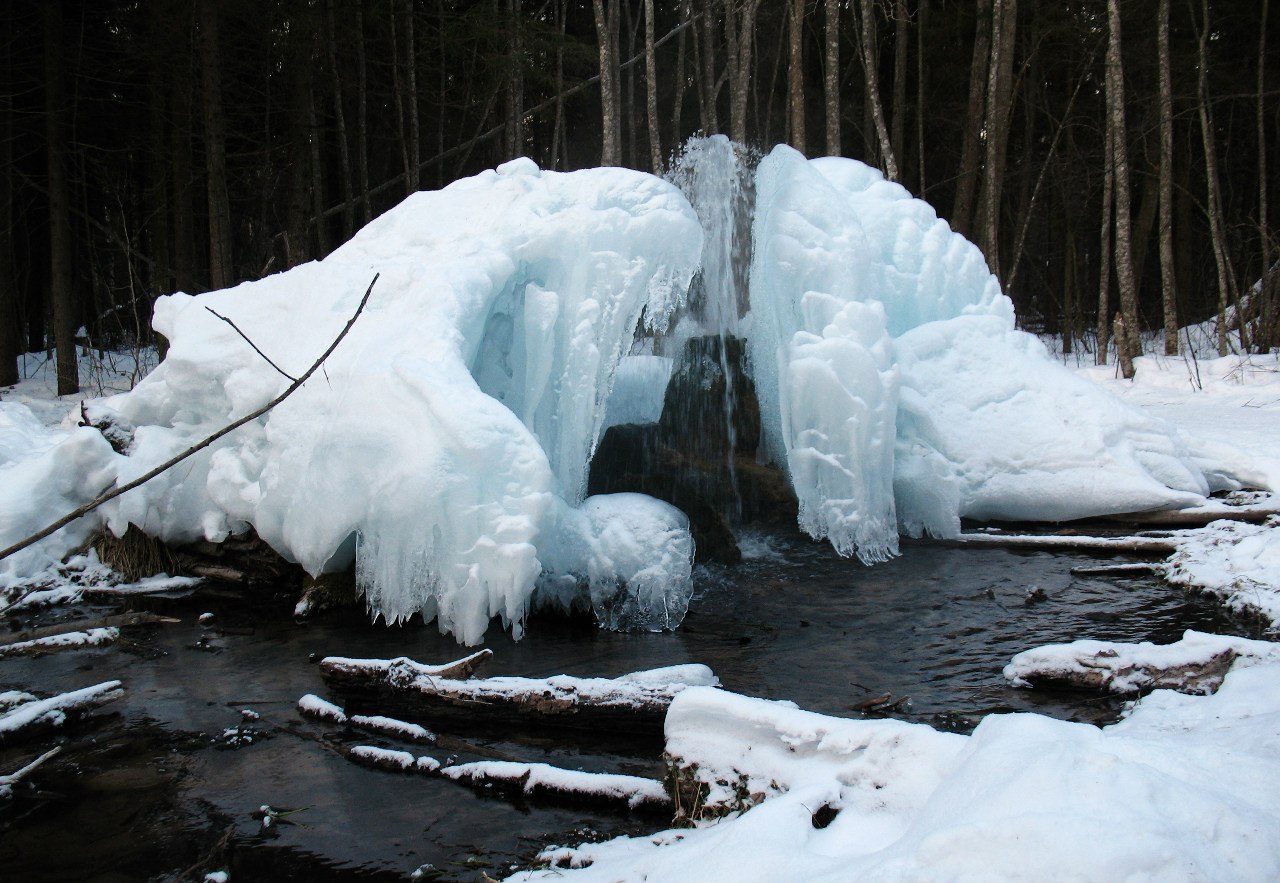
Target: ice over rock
(897,392)
(449,436)
(445,446)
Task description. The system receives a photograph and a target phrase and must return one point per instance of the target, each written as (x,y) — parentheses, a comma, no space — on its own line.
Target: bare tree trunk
(1004,19)
(1168,279)
(557,127)
(362,119)
(710,91)
(831,76)
(1211,177)
(610,95)
(1104,271)
(317,177)
(923,15)
(340,123)
(899,117)
(967,181)
(888,159)
(740,25)
(9,335)
(677,134)
(184,260)
(221,274)
(1129,346)
(61,294)
(651,91)
(1268,329)
(795,74)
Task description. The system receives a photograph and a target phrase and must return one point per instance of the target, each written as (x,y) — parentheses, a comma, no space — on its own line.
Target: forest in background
(1110,157)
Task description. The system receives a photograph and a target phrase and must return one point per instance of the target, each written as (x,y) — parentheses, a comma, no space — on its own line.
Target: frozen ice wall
(884,353)
(455,421)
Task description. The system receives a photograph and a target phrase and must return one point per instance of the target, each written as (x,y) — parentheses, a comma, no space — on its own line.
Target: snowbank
(1237,562)
(1182,790)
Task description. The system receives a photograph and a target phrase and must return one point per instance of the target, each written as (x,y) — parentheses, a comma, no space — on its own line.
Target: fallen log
(1195,664)
(1152,545)
(115,621)
(31,718)
(633,704)
(1117,569)
(314,707)
(64,641)
(542,781)
(7,782)
(1198,516)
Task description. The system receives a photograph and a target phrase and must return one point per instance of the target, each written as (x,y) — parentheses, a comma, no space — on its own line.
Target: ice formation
(445,447)
(896,390)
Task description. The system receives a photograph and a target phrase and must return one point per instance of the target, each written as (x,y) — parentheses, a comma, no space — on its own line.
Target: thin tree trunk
(362,119)
(1104,271)
(888,158)
(740,25)
(184,260)
(677,133)
(795,74)
(970,153)
(831,76)
(1211,178)
(61,295)
(557,127)
(317,177)
(220,264)
(340,124)
(651,91)
(710,90)
(629,115)
(1268,329)
(1129,346)
(899,116)
(606,20)
(1004,18)
(922,15)
(10,341)
(1168,280)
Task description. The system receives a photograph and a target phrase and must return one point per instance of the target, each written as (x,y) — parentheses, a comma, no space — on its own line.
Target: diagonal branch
(199,446)
(286,375)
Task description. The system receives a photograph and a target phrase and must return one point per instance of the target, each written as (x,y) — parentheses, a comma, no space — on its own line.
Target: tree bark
(705,46)
(888,159)
(899,116)
(831,76)
(740,24)
(606,19)
(677,134)
(362,119)
(651,91)
(215,134)
(1168,280)
(1216,231)
(1129,346)
(340,124)
(10,339)
(967,180)
(1104,261)
(1004,18)
(516,135)
(795,75)
(61,294)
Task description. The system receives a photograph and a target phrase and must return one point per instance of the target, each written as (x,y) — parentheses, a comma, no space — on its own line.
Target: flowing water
(165,786)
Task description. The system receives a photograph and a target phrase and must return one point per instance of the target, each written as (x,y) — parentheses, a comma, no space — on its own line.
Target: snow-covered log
(27,719)
(64,641)
(543,781)
(634,704)
(1195,664)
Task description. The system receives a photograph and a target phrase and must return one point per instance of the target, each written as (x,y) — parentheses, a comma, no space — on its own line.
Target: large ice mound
(458,417)
(895,389)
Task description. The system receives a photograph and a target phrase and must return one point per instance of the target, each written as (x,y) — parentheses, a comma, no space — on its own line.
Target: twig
(283,373)
(16,777)
(199,446)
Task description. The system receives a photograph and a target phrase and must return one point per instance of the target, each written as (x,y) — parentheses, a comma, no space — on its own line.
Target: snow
(533,777)
(1237,562)
(389,726)
(53,711)
(1025,798)
(1130,668)
(95,637)
(313,706)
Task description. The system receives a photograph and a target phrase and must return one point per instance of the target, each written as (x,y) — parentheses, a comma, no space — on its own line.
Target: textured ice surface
(456,419)
(884,353)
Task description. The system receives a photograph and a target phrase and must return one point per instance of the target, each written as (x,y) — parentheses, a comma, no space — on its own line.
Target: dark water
(160,790)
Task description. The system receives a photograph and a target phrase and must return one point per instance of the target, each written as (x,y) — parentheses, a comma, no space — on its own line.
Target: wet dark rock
(701,455)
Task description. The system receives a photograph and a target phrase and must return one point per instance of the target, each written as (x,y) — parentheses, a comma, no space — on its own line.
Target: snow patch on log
(67,640)
(1236,562)
(389,726)
(1196,664)
(540,779)
(54,711)
(313,706)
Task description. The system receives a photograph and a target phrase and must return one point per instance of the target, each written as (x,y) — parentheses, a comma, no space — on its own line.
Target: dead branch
(199,446)
(286,375)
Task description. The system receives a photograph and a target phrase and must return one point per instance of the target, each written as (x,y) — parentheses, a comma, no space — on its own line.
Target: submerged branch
(199,446)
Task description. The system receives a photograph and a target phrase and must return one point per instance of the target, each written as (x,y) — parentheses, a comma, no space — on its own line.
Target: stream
(163,784)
